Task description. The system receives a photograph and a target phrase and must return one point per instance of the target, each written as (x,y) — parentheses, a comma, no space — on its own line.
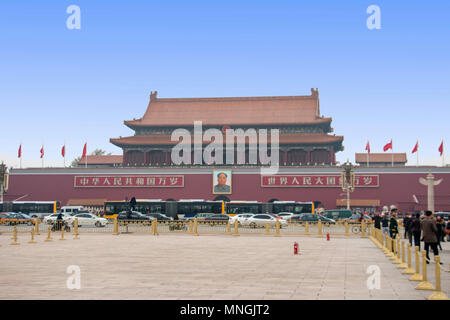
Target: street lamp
(3,170)
(348,180)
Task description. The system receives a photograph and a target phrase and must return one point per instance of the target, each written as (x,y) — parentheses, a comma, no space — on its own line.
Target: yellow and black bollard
(409,270)
(36,226)
(49,237)
(319,228)
(438,294)
(116,227)
(347,233)
(75,229)
(32,236)
(195,231)
(403,264)
(62,231)
(416,276)
(236,232)
(277,228)
(424,285)
(15,237)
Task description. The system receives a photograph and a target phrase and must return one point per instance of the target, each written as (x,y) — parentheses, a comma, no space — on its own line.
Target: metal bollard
(75,229)
(155,227)
(49,237)
(409,270)
(277,228)
(363,229)
(15,243)
(416,276)
(319,228)
(62,232)
(190,227)
(36,225)
(424,285)
(438,294)
(32,236)
(228,227)
(403,264)
(306,227)
(267,229)
(116,227)
(346,229)
(396,259)
(236,233)
(195,232)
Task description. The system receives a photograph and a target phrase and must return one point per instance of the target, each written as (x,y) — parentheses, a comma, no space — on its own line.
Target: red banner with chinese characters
(333,181)
(120,181)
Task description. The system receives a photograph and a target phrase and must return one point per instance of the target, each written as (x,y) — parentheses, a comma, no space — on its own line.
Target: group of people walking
(426,228)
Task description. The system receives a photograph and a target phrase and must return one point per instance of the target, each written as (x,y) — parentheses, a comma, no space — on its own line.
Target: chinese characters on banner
(333,181)
(120,181)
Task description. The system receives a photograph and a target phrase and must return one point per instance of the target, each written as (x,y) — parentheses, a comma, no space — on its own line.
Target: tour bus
(184,208)
(236,207)
(35,209)
(292,206)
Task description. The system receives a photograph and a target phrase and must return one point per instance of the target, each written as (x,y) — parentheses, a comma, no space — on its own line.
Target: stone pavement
(182,266)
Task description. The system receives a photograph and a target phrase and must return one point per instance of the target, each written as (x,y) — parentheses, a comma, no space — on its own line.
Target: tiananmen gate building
(307,163)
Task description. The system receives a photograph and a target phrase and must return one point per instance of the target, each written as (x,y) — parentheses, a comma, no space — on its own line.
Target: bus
(113,208)
(185,208)
(35,209)
(293,206)
(236,207)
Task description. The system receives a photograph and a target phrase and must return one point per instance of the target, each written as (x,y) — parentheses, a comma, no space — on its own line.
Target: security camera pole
(348,180)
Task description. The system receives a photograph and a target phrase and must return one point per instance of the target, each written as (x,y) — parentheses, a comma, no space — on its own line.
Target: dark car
(314,218)
(219,217)
(159,216)
(133,215)
(18,218)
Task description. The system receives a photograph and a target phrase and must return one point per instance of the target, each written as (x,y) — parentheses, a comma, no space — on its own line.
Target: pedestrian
(415,229)
(393,226)
(429,229)
(385,224)
(440,230)
(406,224)
(447,231)
(377,221)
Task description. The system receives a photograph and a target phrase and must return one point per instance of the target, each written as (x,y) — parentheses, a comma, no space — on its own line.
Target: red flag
(19,154)
(441,148)
(63,151)
(388,146)
(368,147)
(416,147)
(42,152)
(84,150)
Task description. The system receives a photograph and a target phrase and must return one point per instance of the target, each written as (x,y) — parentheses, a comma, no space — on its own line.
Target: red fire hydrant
(295,248)
(328,236)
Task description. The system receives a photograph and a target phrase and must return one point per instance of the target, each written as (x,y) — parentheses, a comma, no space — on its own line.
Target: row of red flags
(63,151)
(416,147)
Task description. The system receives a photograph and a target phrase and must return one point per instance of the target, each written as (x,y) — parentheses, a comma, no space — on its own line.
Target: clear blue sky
(75,85)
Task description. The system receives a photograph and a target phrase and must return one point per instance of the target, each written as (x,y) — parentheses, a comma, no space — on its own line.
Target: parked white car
(52,218)
(260,220)
(88,219)
(241,217)
(285,215)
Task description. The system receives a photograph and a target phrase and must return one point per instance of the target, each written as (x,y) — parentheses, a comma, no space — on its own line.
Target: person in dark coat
(415,229)
(406,222)
(429,229)
(377,221)
(440,230)
(385,223)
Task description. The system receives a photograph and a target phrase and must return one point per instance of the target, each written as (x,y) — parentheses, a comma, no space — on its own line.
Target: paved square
(182,266)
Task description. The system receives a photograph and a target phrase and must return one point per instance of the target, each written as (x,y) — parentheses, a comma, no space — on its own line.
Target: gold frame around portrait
(229,178)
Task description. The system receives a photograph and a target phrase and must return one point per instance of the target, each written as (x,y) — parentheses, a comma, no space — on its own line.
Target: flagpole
(64,153)
(85,159)
(20,154)
(417,155)
(443,154)
(392,149)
